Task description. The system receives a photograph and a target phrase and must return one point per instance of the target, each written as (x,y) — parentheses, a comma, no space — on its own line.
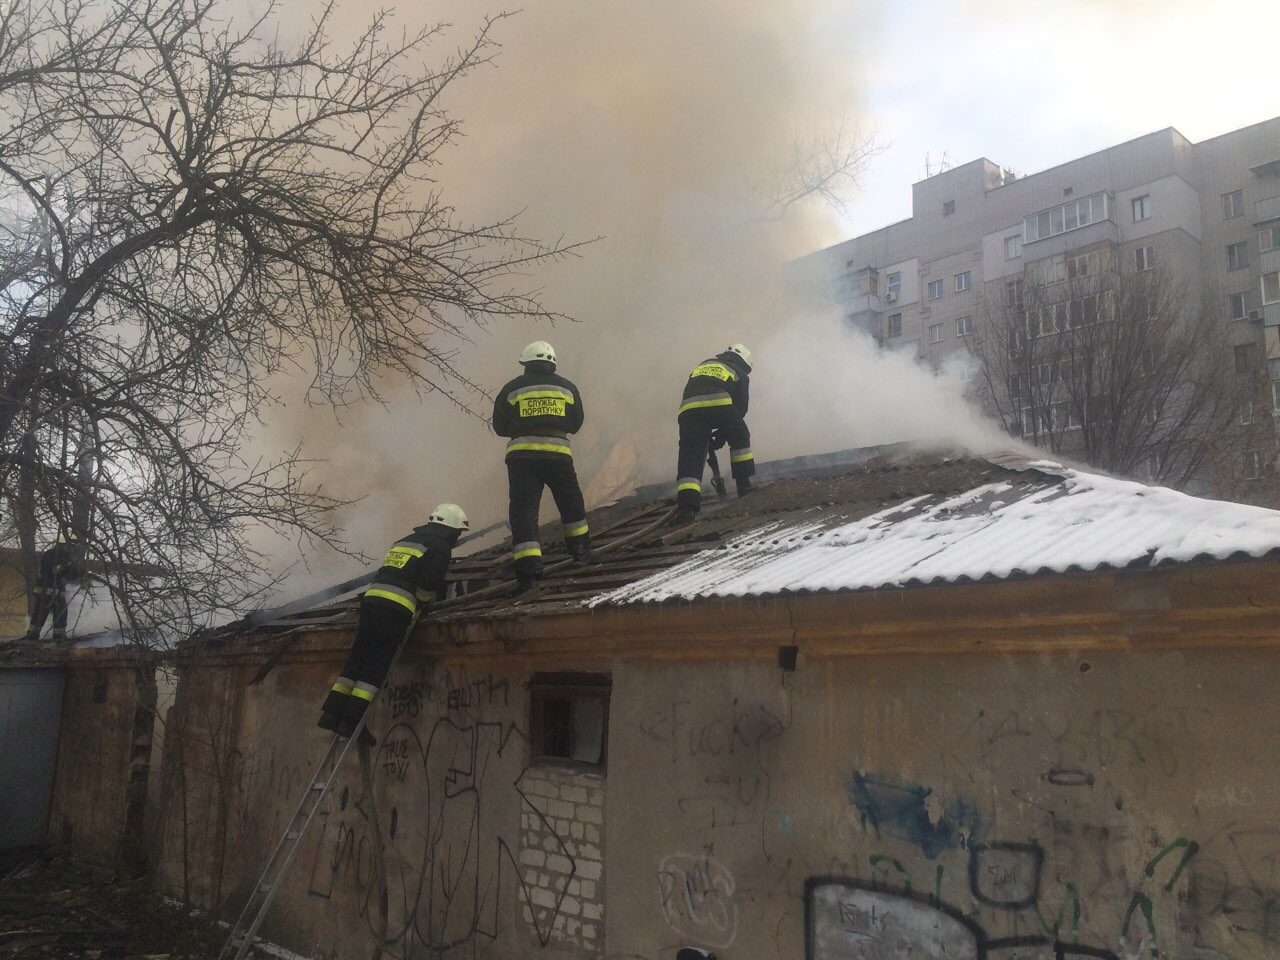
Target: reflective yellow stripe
(740,457)
(363,694)
(388,595)
(695,404)
(425,596)
(541,394)
(689,486)
(527,552)
(341,688)
(548,447)
(540,390)
(576,531)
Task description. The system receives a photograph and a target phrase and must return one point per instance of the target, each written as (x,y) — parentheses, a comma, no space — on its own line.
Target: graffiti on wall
(428,861)
(697,893)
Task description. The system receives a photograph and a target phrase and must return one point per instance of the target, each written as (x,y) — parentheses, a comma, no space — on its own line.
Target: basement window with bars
(569,719)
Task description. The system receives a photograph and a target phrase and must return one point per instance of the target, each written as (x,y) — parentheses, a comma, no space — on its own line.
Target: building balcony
(1269,262)
(1100,232)
(1265,210)
(1271,315)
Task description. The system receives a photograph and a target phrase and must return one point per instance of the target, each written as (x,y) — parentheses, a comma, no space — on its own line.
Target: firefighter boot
(744,486)
(579,549)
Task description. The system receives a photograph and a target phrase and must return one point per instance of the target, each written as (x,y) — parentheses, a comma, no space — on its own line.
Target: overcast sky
(1033,84)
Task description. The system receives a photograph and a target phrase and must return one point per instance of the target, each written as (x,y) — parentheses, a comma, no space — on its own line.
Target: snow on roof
(1083,521)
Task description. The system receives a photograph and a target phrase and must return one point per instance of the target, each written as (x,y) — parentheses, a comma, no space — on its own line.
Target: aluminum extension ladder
(244,934)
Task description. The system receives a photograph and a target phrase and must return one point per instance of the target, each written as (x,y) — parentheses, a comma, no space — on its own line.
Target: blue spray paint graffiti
(911,812)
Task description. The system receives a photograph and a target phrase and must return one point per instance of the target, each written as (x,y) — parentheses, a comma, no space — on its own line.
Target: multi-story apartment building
(1207,213)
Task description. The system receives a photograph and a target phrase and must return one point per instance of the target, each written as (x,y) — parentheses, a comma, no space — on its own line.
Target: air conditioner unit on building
(890,297)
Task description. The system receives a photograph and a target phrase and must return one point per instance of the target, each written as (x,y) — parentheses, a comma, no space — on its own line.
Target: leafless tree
(190,207)
(823,168)
(1123,370)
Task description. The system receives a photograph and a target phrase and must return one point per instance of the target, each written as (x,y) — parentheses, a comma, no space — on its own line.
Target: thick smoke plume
(669,130)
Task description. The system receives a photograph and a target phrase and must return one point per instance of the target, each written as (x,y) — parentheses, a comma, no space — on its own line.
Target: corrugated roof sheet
(1057,520)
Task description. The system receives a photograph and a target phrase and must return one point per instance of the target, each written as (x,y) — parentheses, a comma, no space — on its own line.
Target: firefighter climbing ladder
(264,893)
(245,931)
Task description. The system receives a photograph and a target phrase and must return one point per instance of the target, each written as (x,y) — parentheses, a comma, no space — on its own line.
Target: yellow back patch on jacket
(717,370)
(397,558)
(541,407)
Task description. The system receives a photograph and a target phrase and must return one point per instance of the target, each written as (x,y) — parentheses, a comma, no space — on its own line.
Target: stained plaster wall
(103,762)
(1049,796)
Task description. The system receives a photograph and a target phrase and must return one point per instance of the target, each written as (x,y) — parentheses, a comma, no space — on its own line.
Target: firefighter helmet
(538,350)
(67,538)
(451,515)
(741,351)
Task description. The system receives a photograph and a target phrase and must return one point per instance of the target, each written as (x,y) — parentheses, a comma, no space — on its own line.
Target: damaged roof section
(895,520)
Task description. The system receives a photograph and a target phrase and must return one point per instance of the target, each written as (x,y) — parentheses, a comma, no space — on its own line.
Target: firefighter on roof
(714,402)
(59,564)
(537,411)
(412,575)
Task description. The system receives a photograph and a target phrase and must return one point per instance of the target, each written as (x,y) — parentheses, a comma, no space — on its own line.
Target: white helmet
(741,351)
(451,515)
(67,538)
(538,350)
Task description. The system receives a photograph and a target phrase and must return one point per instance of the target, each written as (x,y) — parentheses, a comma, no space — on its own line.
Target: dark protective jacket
(414,569)
(538,410)
(58,565)
(722,381)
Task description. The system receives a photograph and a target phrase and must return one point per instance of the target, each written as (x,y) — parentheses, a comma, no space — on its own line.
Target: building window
(948,208)
(1013,247)
(1275,395)
(1232,204)
(894,327)
(1253,464)
(1245,357)
(1237,308)
(1271,287)
(935,289)
(1268,239)
(1015,387)
(1141,207)
(1246,413)
(935,333)
(569,721)
(963,281)
(895,284)
(1047,271)
(1155,465)
(1237,255)
(1069,216)
(1144,258)
(1013,294)
(964,326)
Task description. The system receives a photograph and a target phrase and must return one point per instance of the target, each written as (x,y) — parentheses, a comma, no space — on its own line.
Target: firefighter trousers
(44,601)
(527,476)
(696,427)
(382,627)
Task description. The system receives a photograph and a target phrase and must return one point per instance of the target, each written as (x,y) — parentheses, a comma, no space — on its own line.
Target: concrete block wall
(562,852)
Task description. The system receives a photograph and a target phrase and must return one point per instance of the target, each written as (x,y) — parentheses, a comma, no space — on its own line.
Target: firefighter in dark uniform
(59,564)
(537,411)
(714,404)
(412,575)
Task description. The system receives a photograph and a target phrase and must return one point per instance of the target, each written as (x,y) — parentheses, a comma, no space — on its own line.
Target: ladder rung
(292,834)
(319,784)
